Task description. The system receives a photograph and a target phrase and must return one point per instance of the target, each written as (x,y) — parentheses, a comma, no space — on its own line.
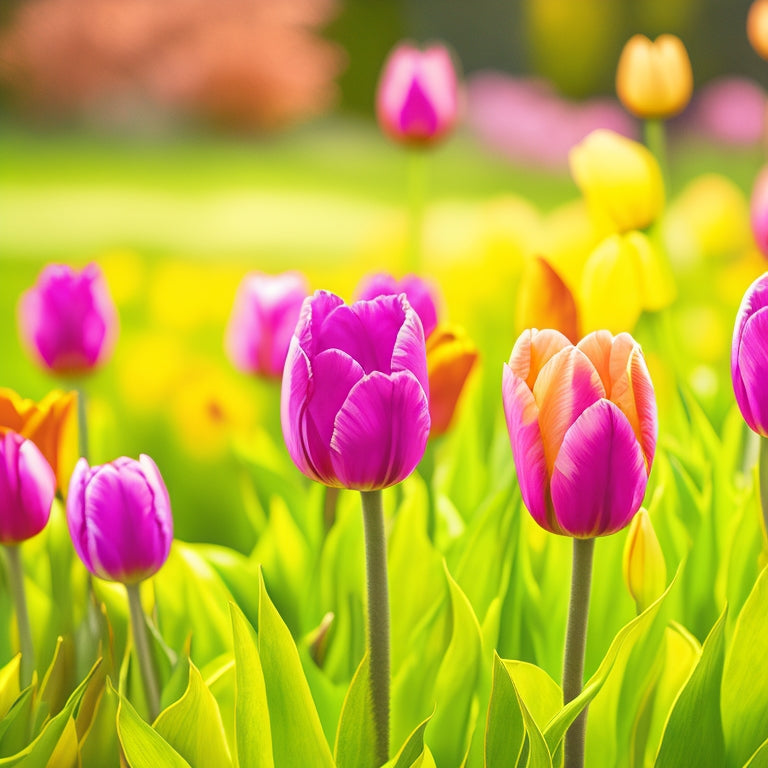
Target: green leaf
(356,736)
(253,734)
(760,758)
(412,748)
(744,696)
(538,751)
(9,684)
(193,727)
(694,734)
(541,694)
(504,729)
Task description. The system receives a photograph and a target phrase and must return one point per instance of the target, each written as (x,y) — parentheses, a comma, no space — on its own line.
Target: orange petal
(533,350)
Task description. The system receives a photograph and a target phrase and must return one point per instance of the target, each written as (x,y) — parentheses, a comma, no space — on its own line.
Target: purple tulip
(749,356)
(68,318)
(355,406)
(119,518)
(421,295)
(417,98)
(263,318)
(759,211)
(27,488)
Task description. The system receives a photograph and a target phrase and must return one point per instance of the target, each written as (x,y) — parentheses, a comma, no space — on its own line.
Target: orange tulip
(51,424)
(757,27)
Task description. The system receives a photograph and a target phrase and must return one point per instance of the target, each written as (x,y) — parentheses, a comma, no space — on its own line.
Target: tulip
(758,209)
(757,27)
(263,318)
(68,319)
(645,572)
(451,356)
(620,179)
(749,356)
(355,408)
(654,80)
(421,295)
(582,423)
(51,424)
(417,97)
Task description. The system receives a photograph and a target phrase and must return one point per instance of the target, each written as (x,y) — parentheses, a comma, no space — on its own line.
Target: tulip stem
(417,191)
(82,422)
(763,475)
(16,580)
(656,141)
(141,645)
(575,645)
(378,617)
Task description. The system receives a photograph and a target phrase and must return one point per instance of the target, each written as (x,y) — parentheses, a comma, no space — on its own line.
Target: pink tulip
(759,211)
(582,423)
(355,406)
(119,518)
(27,488)
(421,295)
(263,318)
(417,97)
(68,318)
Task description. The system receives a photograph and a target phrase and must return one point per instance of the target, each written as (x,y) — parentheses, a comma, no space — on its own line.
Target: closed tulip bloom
(582,423)
(27,488)
(421,295)
(757,27)
(645,571)
(620,180)
(758,210)
(355,406)
(749,356)
(119,518)
(263,318)
(417,97)
(654,79)
(451,355)
(68,319)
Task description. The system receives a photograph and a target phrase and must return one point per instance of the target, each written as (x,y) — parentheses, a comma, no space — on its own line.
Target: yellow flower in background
(50,424)
(645,571)
(125,273)
(654,79)
(620,180)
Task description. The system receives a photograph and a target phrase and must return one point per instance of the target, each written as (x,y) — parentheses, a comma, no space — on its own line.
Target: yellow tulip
(620,180)
(757,27)
(645,571)
(50,424)
(654,79)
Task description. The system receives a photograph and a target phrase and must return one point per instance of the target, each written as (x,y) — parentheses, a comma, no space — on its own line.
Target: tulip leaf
(760,758)
(744,694)
(253,734)
(694,734)
(193,726)
(15,726)
(412,748)
(356,735)
(99,744)
(504,729)
(9,684)
(65,753)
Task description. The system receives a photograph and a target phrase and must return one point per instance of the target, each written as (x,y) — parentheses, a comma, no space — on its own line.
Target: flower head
(68,318)
(582,423)
(119,518)
(355,407)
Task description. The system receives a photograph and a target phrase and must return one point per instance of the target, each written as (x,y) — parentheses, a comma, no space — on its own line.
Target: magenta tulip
(355,407)
(119,518)
(749,356)
(759,211)
(263,319)
(421,295)
(582,423)
(27,488)
(417,98)
(68,319)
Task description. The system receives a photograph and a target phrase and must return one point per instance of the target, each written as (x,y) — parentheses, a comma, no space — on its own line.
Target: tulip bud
(749,356)
(417,97)
(263,319)
(450,358)
(654,79)
(758,210)
(757,27)
(421,295)
(620,180)
(645,572)
(27,488)
(68,319)
(119,518)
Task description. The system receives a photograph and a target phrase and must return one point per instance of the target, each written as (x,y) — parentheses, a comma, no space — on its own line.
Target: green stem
(656,141)
(330,505)
(417,192)
(378,617)
(82,422)
(141,645)
(575,644)
(427,468)
(16,580)
(763,474)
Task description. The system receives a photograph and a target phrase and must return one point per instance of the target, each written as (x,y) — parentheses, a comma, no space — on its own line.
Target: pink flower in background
(582,423)
(263,319)
(119,518)
(355,407)
(758,211)
(27,488)
(421,295)
(68,319)
(417,97)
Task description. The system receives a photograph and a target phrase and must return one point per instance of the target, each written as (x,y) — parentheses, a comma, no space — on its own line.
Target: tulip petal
(76,509)
(522,416)
(409,353)
(597,346)
(37,486)
(751,371)
(381,431)
(294,393)
(314,312)
(599,477)
(533,350)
